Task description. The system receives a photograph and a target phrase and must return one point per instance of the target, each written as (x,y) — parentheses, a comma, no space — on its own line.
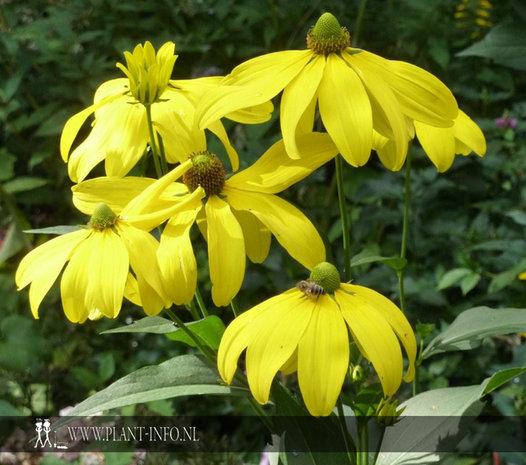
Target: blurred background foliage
(466,240)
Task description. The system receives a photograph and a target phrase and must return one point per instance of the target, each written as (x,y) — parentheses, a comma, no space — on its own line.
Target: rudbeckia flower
(358,93)
(120,131)
(237,216)
(114,257)
(307,330)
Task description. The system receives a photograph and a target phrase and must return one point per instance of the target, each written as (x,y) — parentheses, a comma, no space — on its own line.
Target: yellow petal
(375,338)
(323,357)
(394,316)
(42,265)
(423,97)
(75,282)
(257,236)
(219,130)
(291,228)
(142,251)
(438,143)
(245,328)
(73,124)
(469,134)
(131,290)
(252,83)
(275,342)
(297,97)
(253,115)
(291,365)
(118,86)
(226,251)
(275,171)
(346,111)
(108,267)
(176,257)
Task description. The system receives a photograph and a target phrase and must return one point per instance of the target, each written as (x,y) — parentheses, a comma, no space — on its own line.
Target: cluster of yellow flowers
(365,102)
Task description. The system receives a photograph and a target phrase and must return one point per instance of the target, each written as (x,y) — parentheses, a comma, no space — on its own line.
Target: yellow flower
(522,276)
(237,217)
(120,130)
(306,329)
(358,93)
(440,144)
(112,258)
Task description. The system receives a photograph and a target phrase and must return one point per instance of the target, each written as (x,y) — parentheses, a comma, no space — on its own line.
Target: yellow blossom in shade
(237,217)
(120,134)
(307,329)
(358,93)
(522,276)
(440,144)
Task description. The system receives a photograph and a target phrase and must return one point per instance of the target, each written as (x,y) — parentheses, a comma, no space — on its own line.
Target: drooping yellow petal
(375,338)
(346,111)
(257,236)
(108,267)
(275,171)
(75,282)
(73,124)
(255,114)
(142,252)
(297,97)
(226,251)
(323,357)
(249,84)
(291,228)
(468,133)
(423,97)
(291,365)
(245,328)
(176,257)
(438,143)
(42,265)
(118,86)
(219,130)
(388,118)
(131,290)
(276,341)
(394,316)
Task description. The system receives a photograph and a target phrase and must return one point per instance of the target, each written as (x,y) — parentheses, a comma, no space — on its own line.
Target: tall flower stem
(200,303)
(358,24)
(405,227)
(153,145)
(349,443)
(235,308)
(346,232)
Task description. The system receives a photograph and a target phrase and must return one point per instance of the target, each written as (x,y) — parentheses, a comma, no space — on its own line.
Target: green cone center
(207,171)
(103,217)
(327,36)
(326,275)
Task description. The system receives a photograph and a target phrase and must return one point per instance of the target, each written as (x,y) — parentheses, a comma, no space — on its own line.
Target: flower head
(306,329)
(237,215)
(359,94)
(120,133)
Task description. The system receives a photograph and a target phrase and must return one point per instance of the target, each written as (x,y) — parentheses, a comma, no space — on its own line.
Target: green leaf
(180,376)
(13,243)
(507,277)
(502,377)
(149,324)
(469,282)
(452,277)
(473,325)
(8,410)
(446,407)
(209,330)
(23,184)
(505,44)
(518,216)
(397,263)
(54,230)
(7,163)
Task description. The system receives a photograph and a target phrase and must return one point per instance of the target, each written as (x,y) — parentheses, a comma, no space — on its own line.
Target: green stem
(235,308)
(193,311)
(405,227)
(416,380)
(180,323)
(366,444)
(153,146)
(200,302)
(379,445)
(257,408)
(349,443)
(344,219)
(358,24)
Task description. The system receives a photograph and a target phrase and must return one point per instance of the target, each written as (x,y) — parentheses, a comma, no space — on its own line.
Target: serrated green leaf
(184,375)
(473,325)
(452,277)
(54,230)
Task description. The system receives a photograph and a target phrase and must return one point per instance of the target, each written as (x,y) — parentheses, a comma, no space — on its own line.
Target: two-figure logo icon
(46,428)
